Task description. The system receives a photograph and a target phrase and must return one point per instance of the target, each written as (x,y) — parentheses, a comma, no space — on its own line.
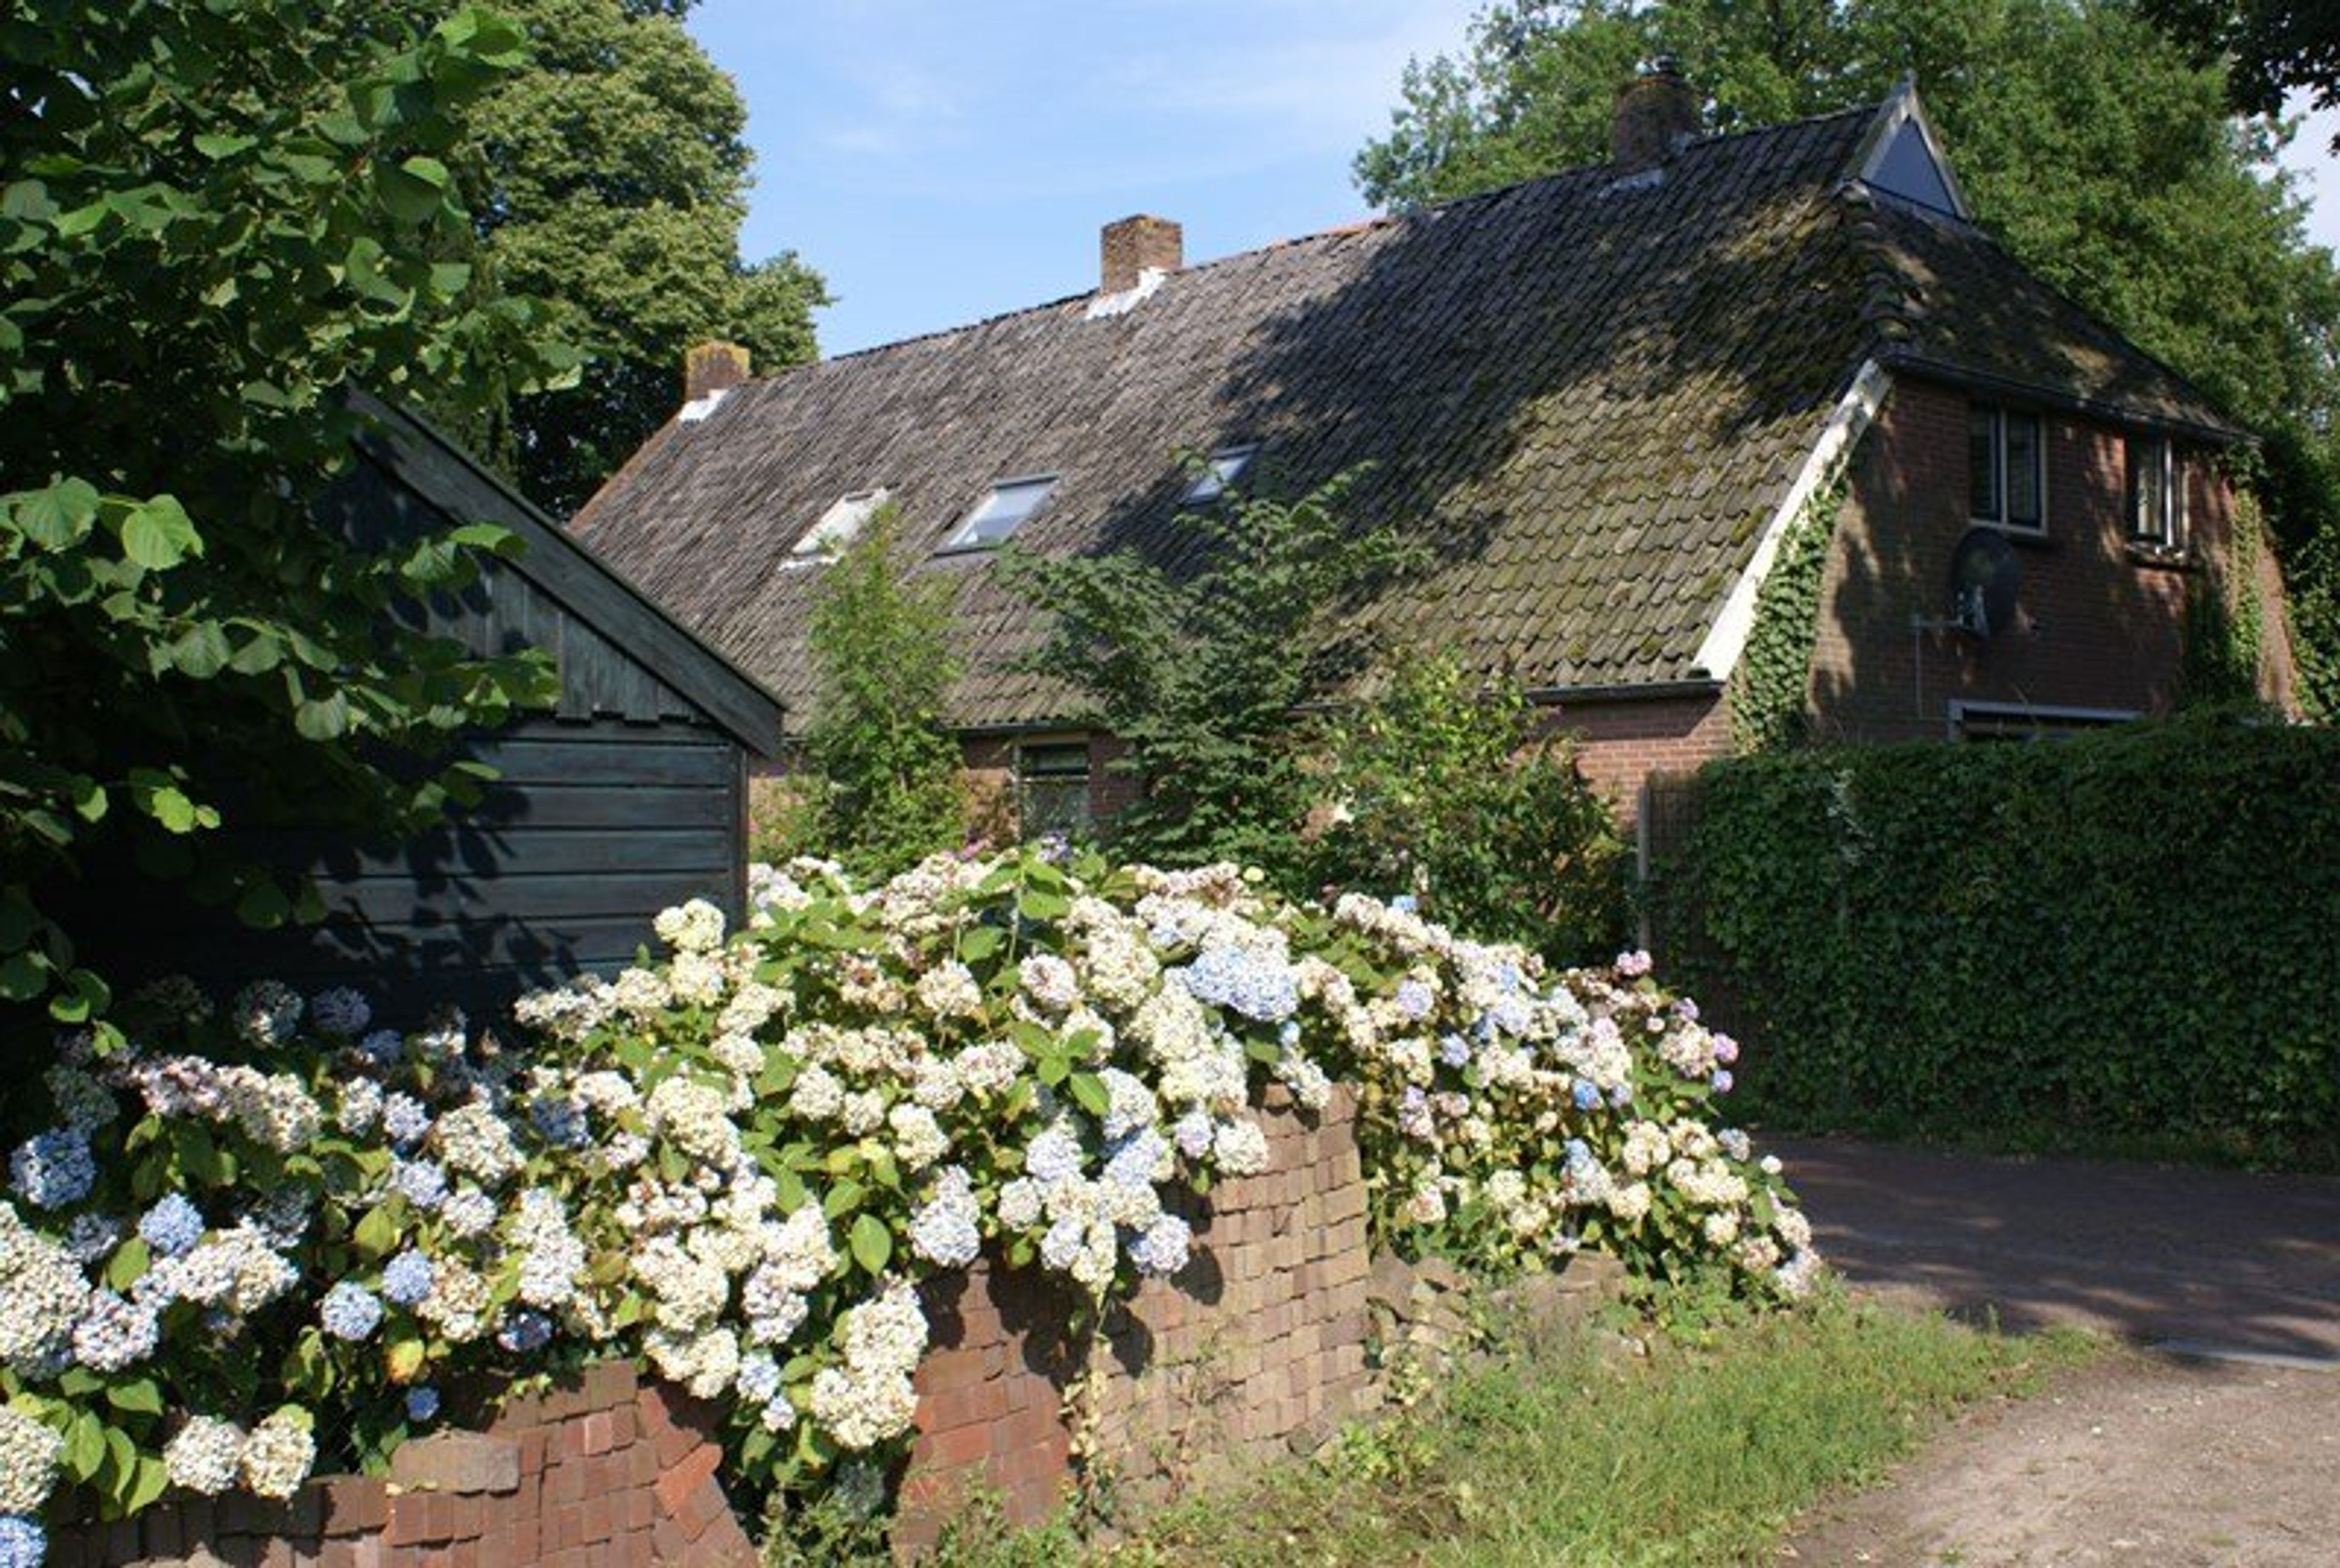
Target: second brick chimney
(1135,244)
(712,367)
(1655,115)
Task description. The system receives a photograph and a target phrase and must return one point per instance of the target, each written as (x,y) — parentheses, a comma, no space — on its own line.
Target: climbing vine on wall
(1768,707)
(2226,620)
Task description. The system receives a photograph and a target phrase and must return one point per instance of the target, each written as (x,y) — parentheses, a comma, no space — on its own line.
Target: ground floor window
(2023,721)
(1052,790)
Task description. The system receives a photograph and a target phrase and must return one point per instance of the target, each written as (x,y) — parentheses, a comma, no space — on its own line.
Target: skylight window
(1002,511)
(1226,466)
(839,523)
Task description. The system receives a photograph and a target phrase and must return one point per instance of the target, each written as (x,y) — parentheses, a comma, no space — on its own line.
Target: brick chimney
(712,367)
(1132,245)
(1656,112)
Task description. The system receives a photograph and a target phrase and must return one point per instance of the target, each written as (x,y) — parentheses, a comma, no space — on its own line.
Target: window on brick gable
(2156,491)
(1052,791)
(2006,468)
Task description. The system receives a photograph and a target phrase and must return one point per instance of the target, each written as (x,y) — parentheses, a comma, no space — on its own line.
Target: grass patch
(1699,1454)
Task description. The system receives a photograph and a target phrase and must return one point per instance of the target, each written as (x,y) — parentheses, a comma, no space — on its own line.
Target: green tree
(215,219)
(888,766)
(610,179)
(2271,48)
(1443,786)
(2100,152)
(1204,671)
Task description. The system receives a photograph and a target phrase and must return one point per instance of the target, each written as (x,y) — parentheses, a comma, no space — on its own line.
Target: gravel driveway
(2221,1446)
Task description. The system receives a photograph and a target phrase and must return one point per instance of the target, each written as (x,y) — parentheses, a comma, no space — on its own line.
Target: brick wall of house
(1619,744)
(1260,1341)
(607,1471)
(2098,626)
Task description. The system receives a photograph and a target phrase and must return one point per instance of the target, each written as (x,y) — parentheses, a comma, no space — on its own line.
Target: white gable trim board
(1719,655)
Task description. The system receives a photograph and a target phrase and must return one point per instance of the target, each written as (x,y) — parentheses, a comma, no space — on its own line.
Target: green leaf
(408,194)
(202,650)
(872,1244)
(218,144)
(85,1446)
(843,1198)
(23,976)
(980,942)
(1034,904)
(158,534)
(138,1397)
(153,1479)
(403,1358)
(59,517)
(1090,1091)
(322,718)
(172,809)
(128,1263)
(376,1234)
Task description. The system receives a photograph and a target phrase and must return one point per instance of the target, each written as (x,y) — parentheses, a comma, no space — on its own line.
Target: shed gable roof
(1587,395)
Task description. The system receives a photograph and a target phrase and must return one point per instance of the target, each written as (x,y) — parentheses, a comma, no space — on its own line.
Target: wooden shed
(627,797)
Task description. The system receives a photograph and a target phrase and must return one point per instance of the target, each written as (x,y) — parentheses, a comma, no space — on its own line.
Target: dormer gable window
(1001,513)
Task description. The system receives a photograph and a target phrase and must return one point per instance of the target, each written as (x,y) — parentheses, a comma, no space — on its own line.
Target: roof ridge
(1348,230)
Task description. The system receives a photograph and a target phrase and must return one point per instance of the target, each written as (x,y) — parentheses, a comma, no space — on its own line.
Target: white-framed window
(1052,790)
(838,525)
(2028,721)
(2156,491)
(2006,468)
(1001,511)
(1224,467)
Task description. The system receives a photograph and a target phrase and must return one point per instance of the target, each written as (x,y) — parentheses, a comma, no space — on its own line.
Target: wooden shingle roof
(1587,395)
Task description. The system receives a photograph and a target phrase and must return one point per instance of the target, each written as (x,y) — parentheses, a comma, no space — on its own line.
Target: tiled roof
(1586,395)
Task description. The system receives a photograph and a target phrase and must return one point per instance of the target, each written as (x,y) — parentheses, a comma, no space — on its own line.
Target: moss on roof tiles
(1591,398)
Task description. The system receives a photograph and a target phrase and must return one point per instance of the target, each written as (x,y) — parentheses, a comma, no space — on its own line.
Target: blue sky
(944,160)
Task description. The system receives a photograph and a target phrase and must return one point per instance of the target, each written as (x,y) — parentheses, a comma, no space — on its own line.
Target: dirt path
(2148,1459)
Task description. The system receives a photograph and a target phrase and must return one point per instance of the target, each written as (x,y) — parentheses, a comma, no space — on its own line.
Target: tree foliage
(1445,788)
(215,219)
(887,767)
(2096,149)
(610,180)
(2270,48)
(1203,668)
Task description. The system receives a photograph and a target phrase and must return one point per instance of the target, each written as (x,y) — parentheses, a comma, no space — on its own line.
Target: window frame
(1026,775)
(2003,518)
(1976,722)
(2169,480)
(960,543)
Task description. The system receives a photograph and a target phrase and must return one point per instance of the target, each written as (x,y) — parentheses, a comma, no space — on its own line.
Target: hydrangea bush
(738,1161)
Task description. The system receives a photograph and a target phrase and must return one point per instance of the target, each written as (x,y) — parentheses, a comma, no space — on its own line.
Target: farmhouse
(1603,401)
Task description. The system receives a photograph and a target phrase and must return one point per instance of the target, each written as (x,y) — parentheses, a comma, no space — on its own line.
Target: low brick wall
(1257,1348)
(605,1472)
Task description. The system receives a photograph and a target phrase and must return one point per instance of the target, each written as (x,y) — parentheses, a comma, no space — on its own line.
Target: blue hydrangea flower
(525,1331)
(383,1048)
(404,1120)
(1258,985)
(1621,1096)
(1414,997)
(1722,1080)
(758,1378)
(1586,1094)
(1579,1156)
(53,1169)
(421,1403)
(342,1010)
(1454,1051)
(560,1121)
(350,1310)
(22,1542)
(172,1226)
(422,1182)
(1194,1133)
(1134,1158)
(1054,1155)
(406,1278)
(1405,904)
(1161,1248)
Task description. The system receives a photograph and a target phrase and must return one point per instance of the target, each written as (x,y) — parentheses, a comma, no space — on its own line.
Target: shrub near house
(2127,936)
(738,1163)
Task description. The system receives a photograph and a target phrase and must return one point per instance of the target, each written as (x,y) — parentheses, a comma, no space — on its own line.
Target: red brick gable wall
(2097,627)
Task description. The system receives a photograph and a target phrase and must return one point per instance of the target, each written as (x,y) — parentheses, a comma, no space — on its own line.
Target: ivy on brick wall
(2225,620)
(1770,710)
(2127,936)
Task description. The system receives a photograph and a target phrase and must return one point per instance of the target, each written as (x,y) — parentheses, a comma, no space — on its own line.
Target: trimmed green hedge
(2126,938)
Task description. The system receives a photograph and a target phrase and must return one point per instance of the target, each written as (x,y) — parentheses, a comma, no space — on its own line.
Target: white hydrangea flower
(696,927)
(29,1452)
(278,1455)
(206,1455)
